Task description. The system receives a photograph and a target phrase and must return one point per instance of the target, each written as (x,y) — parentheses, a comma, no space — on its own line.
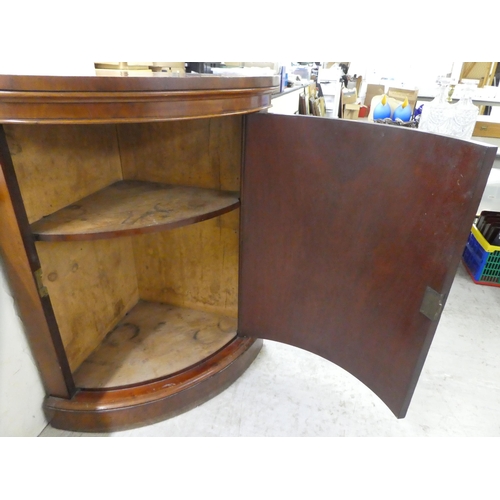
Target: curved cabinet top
(98,99)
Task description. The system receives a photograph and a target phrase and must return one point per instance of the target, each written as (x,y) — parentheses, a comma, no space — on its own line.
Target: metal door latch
(432,304)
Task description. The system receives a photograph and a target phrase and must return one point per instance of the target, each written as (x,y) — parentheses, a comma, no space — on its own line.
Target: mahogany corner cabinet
(155,229)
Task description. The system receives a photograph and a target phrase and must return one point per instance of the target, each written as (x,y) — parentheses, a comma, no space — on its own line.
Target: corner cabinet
(155,229)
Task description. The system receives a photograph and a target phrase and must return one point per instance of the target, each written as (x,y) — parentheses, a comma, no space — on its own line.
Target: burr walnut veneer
(154,230)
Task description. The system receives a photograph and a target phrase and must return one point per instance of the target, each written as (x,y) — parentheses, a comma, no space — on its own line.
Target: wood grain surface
(152,341)
(71,138)
(203,153)
(20,261)
(57,165)
(92,284)
(52,99)
(194,266)
(366,217)
(133,207)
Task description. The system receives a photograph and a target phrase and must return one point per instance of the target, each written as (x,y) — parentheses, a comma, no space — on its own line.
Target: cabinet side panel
(16,262)
(194,266)
(92,284)
(204,153)
(57,165)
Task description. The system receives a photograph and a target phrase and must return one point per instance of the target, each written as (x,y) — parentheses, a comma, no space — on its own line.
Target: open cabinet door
(350,239)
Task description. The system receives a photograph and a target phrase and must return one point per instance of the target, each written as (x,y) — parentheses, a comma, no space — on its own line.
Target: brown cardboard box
(351,111)
(401,94)
(371,91)
(348,97)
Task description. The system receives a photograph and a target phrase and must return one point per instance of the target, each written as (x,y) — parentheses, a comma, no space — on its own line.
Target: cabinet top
(115,99)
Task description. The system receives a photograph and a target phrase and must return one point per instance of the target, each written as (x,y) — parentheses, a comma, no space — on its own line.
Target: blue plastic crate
(482,260)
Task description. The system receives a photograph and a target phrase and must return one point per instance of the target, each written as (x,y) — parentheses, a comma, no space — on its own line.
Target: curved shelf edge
(132,208)
(107,410)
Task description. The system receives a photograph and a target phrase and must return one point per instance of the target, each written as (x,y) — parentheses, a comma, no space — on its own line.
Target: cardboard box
(401,94)
(349,96)
(371,91)
(351,111)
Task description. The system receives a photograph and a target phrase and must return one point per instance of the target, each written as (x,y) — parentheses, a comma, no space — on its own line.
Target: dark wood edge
(15,96)
(188,110)
(486,164)
(106,410)
(18,251)
(46,83)
(101,235)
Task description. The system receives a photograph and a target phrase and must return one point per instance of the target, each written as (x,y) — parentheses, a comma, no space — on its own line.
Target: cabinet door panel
(345,225)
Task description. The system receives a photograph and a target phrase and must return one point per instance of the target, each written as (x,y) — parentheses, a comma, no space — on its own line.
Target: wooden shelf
(133,207)
(153,341)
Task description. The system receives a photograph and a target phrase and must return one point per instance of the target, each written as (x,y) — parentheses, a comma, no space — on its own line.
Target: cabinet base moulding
(108,410)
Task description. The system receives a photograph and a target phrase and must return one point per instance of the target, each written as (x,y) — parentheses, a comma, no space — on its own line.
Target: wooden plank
(133,207)
(482,71)
(56,165)
(92,284)
(45,99)
(154,340)
(203,153)
(197,84)
(368,216)
(195,266)
(20,261)
(91,85)
(486,129)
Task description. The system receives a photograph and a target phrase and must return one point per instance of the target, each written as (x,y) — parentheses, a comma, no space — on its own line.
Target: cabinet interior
(138,305)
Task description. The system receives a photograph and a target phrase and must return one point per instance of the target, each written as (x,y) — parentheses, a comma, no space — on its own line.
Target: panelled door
(351,234)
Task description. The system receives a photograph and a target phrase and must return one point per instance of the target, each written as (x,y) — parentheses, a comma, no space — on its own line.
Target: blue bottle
(382,109)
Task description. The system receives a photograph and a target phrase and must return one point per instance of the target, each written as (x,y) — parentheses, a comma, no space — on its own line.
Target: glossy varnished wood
(28,99)
(344,226)
(120,409)
(68,138)
(20,261)
(133,207)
